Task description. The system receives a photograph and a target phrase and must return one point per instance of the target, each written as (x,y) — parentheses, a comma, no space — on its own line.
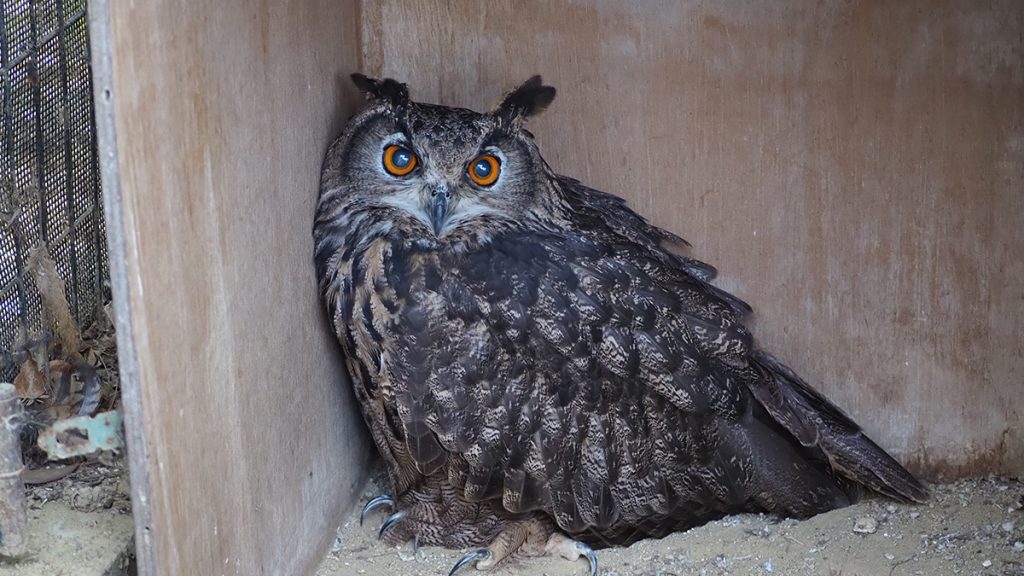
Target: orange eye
(398,160)
(484,170)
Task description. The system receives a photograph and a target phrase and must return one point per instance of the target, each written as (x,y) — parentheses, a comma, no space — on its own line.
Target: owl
(541,369)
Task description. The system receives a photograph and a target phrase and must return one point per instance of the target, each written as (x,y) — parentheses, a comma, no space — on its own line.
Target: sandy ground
(80,525)
(66,542)
(973,527)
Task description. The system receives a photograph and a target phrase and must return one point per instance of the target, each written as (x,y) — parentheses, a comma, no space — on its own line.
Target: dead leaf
(54,299)
(29,384)
(46,475)
(58,413)
(60,382)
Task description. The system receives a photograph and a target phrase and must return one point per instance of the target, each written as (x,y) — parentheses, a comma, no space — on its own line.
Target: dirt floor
(79,525)
(973,527)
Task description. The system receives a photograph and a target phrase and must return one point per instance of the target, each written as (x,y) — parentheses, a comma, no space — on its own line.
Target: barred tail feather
(814,421)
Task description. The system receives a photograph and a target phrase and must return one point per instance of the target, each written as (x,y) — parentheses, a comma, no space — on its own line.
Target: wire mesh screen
(48,170)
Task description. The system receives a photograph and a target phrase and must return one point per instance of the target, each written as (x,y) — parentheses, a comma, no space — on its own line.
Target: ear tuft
(388,90)
(531,98)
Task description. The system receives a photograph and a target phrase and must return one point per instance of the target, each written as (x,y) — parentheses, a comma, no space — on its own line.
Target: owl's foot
(528,537)
(456,523)
(374,503)
(385,500)
(570,549)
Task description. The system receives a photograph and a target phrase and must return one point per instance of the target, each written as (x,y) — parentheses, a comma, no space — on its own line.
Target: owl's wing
(608,216)
(802,411)
(593,374)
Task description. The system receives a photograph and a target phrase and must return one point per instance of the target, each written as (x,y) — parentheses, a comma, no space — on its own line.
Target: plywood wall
(214,116)
(855,170)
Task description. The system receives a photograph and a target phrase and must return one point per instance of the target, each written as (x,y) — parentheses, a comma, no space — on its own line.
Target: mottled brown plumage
(531,354)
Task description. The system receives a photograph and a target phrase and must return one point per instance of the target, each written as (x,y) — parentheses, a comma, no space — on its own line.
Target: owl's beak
(439,207)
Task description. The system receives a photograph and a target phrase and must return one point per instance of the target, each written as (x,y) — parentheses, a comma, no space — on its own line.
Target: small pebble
(865,525)
(986,563)
(915,515)
(1018,546)
(1007,527)
(890,509)
(768,565)
(889,556)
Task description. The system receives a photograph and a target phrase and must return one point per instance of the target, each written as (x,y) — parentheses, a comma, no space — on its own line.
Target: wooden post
(12,490)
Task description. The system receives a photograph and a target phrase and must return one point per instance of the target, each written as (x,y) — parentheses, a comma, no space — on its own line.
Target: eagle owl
(541,372)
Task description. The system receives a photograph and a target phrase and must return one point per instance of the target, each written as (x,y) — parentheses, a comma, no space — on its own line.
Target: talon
(587,551)
(391,521)
(374,503)
(415,544)
(471,556)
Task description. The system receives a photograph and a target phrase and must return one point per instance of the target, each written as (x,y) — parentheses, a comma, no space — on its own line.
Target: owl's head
(439,169)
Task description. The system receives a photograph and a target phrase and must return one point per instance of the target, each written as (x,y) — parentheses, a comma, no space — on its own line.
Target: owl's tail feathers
(816,422)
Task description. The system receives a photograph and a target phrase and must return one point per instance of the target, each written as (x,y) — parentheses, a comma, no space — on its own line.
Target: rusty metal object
(13,519)
(83,435)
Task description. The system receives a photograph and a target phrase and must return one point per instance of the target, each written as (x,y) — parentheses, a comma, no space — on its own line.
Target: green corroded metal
(83,435)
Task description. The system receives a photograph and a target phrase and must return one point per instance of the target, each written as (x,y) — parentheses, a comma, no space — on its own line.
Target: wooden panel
(245,449)
(855,169)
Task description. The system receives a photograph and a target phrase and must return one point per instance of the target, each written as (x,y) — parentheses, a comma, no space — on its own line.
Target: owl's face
(442,169)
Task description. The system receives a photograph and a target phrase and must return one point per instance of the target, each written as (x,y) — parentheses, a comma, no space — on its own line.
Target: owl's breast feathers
(585,371)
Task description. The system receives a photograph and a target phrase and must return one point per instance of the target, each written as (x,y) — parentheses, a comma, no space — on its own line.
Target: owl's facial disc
(447,205)
(440,188)
(446,170)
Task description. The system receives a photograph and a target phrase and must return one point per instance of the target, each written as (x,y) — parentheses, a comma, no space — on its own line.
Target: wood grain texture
(245,446)
(854,169)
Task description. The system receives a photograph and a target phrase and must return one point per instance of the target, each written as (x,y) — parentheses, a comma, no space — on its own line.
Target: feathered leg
(439,516)
(533,536)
